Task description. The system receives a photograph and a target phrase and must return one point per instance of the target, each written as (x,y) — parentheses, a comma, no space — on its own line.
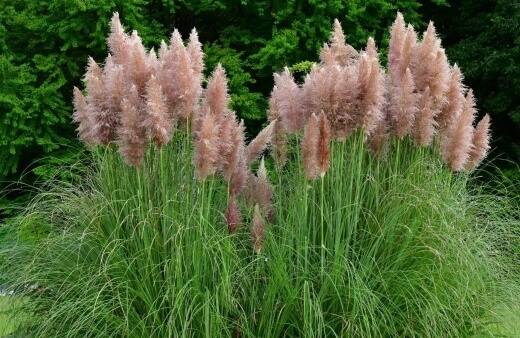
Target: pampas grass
(329,241)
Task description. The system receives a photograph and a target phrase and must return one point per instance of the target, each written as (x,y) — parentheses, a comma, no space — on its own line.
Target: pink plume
(395,49)
(424,127)
(206,154)
(457,143)
(343,53)
(132,136)
(454,97)
(260,143)
(287,95)
(323,151)
(481,139)
(118,42)
(258,230)
(157,120)
(408,52)
(403,105)
(233,215)
(81,117)
(310,143)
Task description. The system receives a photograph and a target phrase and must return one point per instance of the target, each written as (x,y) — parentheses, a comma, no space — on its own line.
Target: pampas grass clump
(358,226)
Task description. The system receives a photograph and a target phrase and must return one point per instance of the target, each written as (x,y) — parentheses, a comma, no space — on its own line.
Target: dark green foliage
(483,39)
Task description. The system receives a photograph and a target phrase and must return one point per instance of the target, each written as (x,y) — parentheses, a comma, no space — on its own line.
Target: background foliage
(43,47)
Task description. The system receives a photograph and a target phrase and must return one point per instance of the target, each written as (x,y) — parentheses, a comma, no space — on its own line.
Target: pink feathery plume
(156,119)
(424,126)
(216,98)
(168,76)
(347,118)
(118,42)
(457,143)
(262,192)
(403,106)
(395,49)
(333,93)
(408,52)
(287,95)
(454,97)
(175,77)
(234,168)
(232,146)
(310,143)
(258,230)
(439,82)
(364,69)
(196,56)
(240,177)
(81,117)
(343,53)
(377,140)
(140,68)
(314,91)
(424,63)
(114,86)
(372,89)
(206,154)
(233,215)
(185,93)
(227,126)
(327,56)
(260,143)
(195,52)
(321,90)
(163,52)
(279,142)
(371,49)
(105,123)
(323,152)
(131,134)
(153,62)
(481,139)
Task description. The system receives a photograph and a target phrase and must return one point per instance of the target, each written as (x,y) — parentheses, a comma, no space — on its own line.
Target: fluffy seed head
(323,152)
(454,98)
(457,143)
(481,146)
(424,126)
(81,117)
(258,230)
(156,119)
(261,190)
(397,36)
(131,134)
(260,143)
(206,148)
(310,143)
(286,97)
(233,215)
(403,105)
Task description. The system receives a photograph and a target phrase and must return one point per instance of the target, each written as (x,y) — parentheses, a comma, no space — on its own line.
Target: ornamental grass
(365,221)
